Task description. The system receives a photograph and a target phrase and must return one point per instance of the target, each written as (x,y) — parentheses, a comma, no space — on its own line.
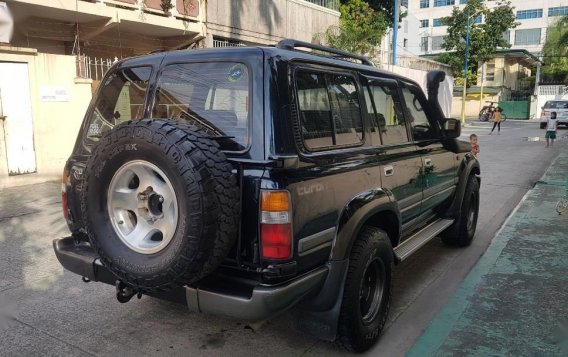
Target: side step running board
(423,236)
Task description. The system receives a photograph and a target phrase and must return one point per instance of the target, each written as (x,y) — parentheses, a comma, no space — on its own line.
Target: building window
(437,22)
(424,4)
(507,36)
(438,3)
(490,72)
(463,1)
(405,43)
(527,37)
(477,19)
(424,44)
(558,11)
(405,3)
(529,14)
(424,23)
(437,42)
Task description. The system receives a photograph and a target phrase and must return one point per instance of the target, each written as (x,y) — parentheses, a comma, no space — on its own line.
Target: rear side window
(556,105)
(329,110)
(211,96)
(388,123)
(121,98)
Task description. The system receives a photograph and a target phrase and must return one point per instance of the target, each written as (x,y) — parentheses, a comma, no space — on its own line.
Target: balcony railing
(330,4)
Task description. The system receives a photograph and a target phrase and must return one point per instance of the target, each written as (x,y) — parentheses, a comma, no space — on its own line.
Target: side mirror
(452,128)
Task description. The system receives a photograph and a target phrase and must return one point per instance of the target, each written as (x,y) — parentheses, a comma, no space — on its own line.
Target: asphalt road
(45,310)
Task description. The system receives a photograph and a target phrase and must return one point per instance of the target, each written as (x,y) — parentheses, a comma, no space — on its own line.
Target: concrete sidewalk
(514,302)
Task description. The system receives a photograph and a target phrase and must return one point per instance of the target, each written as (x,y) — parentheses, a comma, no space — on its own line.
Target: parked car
(558,106)
(249,181)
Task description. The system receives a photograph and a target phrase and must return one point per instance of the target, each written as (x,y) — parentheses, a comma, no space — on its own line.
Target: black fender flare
(354,215)
(468,166)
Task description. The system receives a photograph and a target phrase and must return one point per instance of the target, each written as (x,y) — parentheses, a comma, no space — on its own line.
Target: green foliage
(360,29)
(384,7)
(555,53)
(484,38)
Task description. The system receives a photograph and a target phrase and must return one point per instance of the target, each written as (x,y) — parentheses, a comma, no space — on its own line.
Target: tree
(484,37)
(383,6)
(360,29)
(555,53)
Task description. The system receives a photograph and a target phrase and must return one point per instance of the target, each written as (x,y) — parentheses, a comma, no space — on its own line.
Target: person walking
(497,121)
(551,126)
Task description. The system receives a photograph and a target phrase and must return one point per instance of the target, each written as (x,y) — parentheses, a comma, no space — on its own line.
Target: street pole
(465,68)
(394,31)
(482,77)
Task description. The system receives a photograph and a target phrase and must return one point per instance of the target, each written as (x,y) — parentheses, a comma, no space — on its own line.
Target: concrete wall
(268,21)
(55,123)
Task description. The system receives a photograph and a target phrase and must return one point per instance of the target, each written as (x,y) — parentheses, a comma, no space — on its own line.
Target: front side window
(388,124)
(328,109)
(414,105)
(121,99)
(213,96)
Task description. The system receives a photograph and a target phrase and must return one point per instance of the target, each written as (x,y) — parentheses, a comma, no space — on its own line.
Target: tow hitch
(125,292)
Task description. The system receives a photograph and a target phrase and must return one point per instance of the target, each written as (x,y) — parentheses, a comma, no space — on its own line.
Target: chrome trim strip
(316,241)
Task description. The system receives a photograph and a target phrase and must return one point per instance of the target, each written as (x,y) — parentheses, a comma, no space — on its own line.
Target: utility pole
(465,68)
(394,30)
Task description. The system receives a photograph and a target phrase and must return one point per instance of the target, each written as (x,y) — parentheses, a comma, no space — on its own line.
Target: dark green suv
(249,181)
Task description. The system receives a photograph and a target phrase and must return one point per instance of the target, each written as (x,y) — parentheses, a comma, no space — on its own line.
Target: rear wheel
(367,292)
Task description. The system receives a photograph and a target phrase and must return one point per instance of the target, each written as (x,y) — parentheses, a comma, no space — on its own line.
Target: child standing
(474,144)
(551,126)
(497,121)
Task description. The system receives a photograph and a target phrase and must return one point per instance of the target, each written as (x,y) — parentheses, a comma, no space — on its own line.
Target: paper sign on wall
(54,94)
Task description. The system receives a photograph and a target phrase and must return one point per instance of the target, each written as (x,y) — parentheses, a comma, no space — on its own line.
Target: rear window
(121,98)
(556,105)
(211,96)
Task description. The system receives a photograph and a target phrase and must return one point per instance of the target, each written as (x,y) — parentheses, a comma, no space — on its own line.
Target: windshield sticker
(94,130)
(236,72)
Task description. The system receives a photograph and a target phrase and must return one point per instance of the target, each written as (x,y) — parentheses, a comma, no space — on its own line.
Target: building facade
(53,54)
(534,17)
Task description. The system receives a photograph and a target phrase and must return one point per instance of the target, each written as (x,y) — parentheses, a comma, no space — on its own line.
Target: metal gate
(16,117)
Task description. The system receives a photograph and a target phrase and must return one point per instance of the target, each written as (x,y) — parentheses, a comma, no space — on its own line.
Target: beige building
(54,52)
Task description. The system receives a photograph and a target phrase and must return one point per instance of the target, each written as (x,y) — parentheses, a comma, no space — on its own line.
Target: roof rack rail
(291,45)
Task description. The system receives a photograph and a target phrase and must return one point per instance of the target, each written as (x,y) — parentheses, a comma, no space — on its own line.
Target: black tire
(203,187)
(543,125)
(361,321)
(462,231)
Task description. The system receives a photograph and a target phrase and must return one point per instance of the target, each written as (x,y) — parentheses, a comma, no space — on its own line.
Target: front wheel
(367,292)
(484,117)
(462,231)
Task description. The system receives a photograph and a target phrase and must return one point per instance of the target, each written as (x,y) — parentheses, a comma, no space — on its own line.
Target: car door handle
(389,170)
(427,162)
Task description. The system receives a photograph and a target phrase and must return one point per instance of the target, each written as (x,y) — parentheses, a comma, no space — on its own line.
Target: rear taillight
(275,225)
(64,180)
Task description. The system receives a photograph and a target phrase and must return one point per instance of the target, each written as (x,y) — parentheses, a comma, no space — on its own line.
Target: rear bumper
(258,303)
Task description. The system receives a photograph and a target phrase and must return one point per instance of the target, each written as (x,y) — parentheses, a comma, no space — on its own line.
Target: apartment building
(534,17)
(53,53)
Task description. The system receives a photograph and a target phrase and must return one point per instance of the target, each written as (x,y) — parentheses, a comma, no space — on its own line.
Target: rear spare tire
(159,203)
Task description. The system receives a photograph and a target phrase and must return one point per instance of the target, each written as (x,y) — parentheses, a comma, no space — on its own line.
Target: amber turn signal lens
(275,201)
